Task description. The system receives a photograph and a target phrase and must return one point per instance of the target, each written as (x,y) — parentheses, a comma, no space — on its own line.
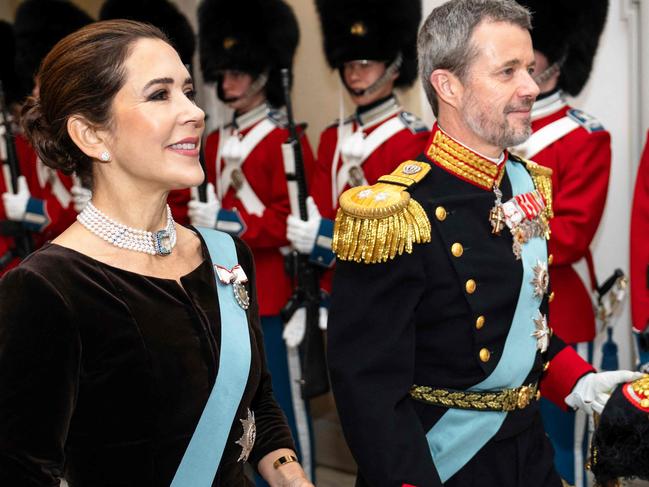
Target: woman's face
(156,127)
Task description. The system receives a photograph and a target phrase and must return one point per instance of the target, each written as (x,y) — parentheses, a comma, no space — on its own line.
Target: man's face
(498,92)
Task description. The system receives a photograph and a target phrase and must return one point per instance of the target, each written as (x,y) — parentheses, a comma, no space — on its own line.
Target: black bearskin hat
(620,446)
(7,57)
(162,14)
(568,32)
(39,25)
(253,36)
(371,29)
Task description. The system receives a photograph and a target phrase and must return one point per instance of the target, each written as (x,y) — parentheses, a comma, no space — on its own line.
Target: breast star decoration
(247,440)
(542,333)
(541,279)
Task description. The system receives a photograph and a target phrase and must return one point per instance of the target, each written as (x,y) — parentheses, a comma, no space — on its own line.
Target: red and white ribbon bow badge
(237,277)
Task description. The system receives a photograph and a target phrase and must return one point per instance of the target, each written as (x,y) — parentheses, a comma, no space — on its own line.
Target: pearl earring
(105,156)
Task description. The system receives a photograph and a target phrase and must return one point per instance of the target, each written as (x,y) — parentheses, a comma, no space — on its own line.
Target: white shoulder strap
(372,142)
(247,144)
(542,138)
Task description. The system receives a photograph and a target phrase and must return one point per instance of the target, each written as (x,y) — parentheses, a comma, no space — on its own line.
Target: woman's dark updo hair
(80,76)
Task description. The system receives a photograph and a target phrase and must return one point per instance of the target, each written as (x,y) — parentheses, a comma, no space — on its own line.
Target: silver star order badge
(541,279)
(542,333)
(247,440)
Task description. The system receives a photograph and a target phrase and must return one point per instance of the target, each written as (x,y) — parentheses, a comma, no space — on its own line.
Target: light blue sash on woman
(461,433)
(203,455)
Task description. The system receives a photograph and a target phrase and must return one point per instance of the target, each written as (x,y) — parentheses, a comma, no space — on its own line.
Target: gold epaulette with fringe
(542,177)
(376,223)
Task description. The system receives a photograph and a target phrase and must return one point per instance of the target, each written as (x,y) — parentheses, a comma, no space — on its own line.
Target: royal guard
(577,148)
(373,47)
(640,260)
(165,16)
(247,193)
(45,200)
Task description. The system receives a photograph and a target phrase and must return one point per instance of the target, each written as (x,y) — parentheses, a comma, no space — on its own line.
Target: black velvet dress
(104,373)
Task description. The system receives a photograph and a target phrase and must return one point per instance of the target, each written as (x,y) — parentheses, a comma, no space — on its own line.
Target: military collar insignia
(383,111)
(462,162)
(250,118)
(548,105)
(247,440)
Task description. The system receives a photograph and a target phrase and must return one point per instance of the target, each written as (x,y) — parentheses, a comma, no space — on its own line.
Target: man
(439,343)
(640,260)
(247,194)
(578,150)
(45,200)
(374,51)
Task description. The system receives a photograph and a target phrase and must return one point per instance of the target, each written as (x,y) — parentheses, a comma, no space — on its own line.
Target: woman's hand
(287,475)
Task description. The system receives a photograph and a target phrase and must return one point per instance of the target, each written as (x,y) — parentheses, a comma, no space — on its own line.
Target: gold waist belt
(503,400)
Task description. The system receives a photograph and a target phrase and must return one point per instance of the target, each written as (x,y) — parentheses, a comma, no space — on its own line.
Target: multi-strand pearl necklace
(154,243)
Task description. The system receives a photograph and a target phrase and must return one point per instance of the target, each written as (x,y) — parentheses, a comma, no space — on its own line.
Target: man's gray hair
(444,40)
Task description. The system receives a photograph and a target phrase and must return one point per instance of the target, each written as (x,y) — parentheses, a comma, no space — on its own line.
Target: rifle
(22,238)
(306,293)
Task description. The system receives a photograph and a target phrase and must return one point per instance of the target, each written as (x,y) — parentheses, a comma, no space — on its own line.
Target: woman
(110,336)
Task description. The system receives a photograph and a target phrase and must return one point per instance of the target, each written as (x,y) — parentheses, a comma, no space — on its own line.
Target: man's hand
(16,204)
(593,390)
(295,328)
(302,234)
(80,197)
(203,214)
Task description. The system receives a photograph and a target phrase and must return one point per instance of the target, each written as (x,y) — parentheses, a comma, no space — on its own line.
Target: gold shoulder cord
(376,223)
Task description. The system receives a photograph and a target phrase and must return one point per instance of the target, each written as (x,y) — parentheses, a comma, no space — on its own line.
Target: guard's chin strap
(550,71)
(255,87)
(385,77)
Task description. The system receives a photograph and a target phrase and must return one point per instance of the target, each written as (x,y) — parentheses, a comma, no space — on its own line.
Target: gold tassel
(373,240)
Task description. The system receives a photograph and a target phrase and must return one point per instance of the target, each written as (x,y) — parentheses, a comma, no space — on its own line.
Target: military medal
(542,333)
(523,214)
(497,215)
(247,440)
(541,279)
(237,277)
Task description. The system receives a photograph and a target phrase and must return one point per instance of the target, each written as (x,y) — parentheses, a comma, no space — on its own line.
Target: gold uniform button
(550,259)
(551,297)
(479,322)
(440,213)
(457,250)
(485,355)
(545,366)
(470,286)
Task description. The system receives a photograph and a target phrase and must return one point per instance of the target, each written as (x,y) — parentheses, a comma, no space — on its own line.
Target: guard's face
(155,132)
(499,91)
(235,84)
(359,75)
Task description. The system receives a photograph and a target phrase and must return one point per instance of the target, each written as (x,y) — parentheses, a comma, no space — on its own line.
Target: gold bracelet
(283,460)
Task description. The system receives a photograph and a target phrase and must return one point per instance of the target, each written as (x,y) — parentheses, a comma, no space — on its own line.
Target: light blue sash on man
(203,455)
(460,433)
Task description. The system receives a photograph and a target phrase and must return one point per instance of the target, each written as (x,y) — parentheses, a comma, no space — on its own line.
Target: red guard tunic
(51,187)
(406,139)
(263,169)
(578,150)
(640,246)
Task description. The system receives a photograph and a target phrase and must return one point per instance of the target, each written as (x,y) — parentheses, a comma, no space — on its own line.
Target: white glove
(593,390)
(16,204)
(203,214)
(302,234)
(295,329)
(80,197)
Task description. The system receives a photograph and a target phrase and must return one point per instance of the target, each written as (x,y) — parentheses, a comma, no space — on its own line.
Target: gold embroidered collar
(462,162)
